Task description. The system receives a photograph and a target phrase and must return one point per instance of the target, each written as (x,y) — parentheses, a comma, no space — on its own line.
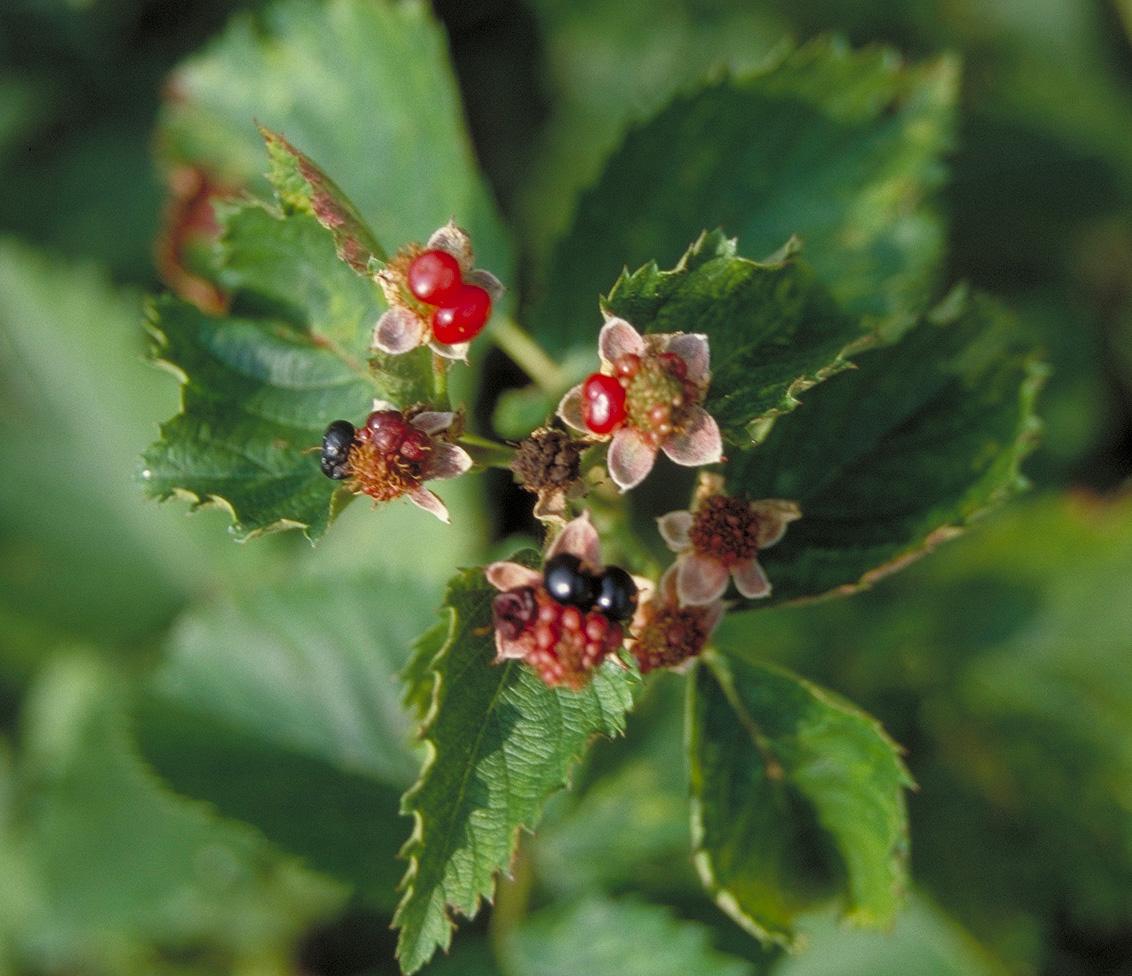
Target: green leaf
(78,551)
(596,91)
(1004,658)
(281,709)
(366,89)
(260,386)
(624,827)
(304,188)
(842,148)
(499,742)
(417,676)
(797,797)
(892,458)
(923,941)
(114,863)
(602,937)
(773,329)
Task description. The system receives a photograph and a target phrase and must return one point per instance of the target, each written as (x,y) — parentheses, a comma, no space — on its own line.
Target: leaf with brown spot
(303,187)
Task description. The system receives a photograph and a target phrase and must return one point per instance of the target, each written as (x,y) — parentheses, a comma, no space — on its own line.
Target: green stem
(529,356)
(485,452)
(512,898)
(440,379)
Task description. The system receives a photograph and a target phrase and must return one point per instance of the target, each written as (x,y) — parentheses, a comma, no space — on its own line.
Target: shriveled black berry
(617,594)
(513,611)
(569,584)
(336,443)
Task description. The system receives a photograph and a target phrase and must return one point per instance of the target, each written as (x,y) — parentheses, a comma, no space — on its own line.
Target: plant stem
(485,452)
(529,356)
(440,378)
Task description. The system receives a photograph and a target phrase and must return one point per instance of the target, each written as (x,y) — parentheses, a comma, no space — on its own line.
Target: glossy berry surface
(336,443)
(415,445)
(434,277)
(564,644)
(462,315)
(569,584)
(616,594)
(386,429)
(603,403)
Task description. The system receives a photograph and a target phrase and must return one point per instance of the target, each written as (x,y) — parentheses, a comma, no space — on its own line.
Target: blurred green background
(1003,664)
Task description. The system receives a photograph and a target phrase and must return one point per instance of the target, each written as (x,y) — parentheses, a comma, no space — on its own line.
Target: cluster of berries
(461,309)
(564,625)
(651,393)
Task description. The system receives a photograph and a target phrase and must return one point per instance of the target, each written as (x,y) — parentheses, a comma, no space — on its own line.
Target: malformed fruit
(513,611)
(617,594)
(336,443)
(434,277)
(603,403)
(568,583)
(464,313)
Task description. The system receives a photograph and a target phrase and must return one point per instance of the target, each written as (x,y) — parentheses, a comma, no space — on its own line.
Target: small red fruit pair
(462,310)
(603,397)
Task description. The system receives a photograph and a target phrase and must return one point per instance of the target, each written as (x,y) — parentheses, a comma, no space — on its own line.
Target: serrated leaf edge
(715,661)
(415,838)
(1029,436)
(790,253)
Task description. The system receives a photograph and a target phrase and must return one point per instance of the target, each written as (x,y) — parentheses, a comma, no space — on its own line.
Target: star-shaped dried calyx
(720,539)
(647,398)
(548,464)
(435,296)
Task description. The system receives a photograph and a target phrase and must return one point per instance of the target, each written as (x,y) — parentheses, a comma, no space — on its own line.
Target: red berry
(603,403)
(462,316)
(387,429)
(596,627)
(434,277)
(545,636)
(627,365)
(415,446)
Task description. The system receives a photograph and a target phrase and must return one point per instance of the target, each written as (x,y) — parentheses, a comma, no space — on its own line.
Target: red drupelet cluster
(462,310)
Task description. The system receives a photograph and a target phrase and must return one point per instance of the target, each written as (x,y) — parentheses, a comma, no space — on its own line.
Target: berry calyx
(603,403)
(670,635)
(513,611)
(462,316)
(336,444)
(725,528)
(434,277)
(616,594)
(568,583)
